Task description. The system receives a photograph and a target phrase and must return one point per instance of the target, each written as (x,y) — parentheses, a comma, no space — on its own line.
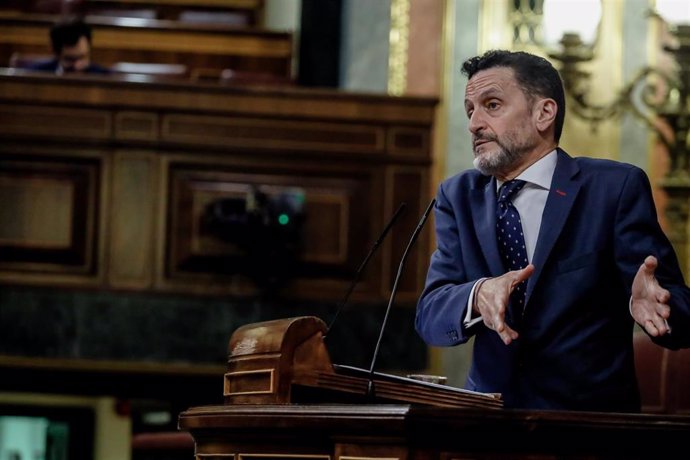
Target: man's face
(76,58)
(500,120)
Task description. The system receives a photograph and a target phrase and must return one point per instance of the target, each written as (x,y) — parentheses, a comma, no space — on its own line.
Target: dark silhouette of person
(71,43)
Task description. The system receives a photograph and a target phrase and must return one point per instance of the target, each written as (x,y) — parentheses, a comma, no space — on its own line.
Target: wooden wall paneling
(275,134)
(409,185)
(180,97)
(252,446)
(55,122)
(326,234)
(336,233)
(132,210)
(49,209)
(176,147)
(137,126)
(368,449)
(410,141)
(362,222)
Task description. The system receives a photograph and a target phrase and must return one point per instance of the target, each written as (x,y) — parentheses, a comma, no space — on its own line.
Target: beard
(505,158)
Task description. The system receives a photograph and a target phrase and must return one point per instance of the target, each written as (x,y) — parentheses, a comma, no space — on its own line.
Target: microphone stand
(371,390)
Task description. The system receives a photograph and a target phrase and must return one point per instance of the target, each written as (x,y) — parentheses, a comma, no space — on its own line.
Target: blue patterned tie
(511,241)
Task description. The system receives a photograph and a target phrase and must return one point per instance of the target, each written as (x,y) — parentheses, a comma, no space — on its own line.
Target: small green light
(283,219)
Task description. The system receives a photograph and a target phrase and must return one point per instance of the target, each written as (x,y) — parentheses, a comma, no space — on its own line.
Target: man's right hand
(492,297)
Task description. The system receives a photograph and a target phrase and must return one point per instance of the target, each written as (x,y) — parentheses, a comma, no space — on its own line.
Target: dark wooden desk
(404,432)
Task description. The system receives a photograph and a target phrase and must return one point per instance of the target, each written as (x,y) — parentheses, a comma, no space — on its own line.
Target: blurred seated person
(71,42)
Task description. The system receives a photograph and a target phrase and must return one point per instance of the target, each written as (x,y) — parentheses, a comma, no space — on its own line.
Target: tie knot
(509,189)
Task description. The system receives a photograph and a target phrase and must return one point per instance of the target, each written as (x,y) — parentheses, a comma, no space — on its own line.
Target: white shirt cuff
(468,321)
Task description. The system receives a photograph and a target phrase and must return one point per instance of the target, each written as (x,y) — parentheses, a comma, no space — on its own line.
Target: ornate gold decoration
(658,97)
(398,39)
(526,19)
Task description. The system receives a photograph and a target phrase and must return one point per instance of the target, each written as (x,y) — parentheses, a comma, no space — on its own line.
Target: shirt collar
(540,173)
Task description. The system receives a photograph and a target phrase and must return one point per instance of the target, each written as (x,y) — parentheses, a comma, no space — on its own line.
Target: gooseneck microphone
(371,390)
(364,263)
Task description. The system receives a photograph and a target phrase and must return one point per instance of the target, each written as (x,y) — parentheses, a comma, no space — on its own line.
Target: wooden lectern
(284,399)
(285,361)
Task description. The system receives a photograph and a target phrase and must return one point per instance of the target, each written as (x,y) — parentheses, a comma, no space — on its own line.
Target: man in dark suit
(71,43)
(553,325)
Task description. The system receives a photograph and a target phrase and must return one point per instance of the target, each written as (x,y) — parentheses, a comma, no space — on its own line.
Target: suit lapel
(564,190)
(483,203)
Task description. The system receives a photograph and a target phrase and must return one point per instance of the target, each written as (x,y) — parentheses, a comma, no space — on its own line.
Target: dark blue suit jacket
(575,347)
(51,65)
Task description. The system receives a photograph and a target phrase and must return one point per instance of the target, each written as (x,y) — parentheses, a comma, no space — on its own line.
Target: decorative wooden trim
(409,141)
(269,456)
(285,103)
(59,122)
(351,457)
(200,456)
(239,375)
(135,125)
(133,217)
(74,255)
(415,195)
(272,134)
(285,456)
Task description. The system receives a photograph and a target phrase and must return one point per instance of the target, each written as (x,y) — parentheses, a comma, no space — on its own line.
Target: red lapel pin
(560,192)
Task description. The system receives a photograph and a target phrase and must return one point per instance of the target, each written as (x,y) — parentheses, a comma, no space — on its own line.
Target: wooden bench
(232,12)
(237,12)
(203,48)
(158,71)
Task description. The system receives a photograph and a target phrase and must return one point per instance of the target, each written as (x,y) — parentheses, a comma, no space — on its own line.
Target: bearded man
(546,259)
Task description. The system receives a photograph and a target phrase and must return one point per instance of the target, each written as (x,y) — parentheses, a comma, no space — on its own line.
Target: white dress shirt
(530,203)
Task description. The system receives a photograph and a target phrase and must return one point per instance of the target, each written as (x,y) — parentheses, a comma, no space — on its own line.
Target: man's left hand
(649,305)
